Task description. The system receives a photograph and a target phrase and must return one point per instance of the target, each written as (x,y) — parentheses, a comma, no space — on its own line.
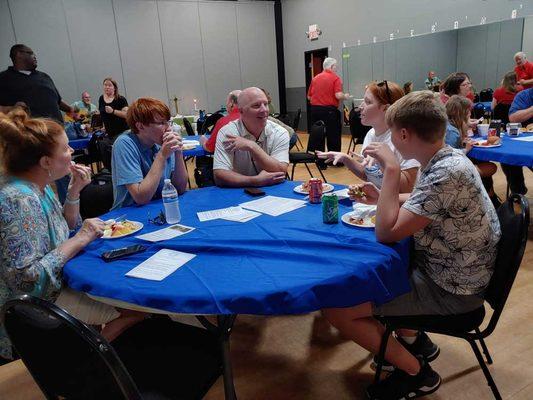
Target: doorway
(313,66)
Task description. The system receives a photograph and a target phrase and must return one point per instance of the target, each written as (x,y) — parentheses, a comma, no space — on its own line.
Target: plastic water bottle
(171,203)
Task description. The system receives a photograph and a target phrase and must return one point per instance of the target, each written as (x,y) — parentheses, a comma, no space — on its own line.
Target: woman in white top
(378,97)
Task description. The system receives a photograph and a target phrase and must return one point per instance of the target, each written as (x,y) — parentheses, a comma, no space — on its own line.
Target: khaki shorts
(82,307)
(427,298)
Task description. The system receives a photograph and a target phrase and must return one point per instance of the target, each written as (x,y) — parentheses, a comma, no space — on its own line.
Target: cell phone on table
(116,254)
(254,191)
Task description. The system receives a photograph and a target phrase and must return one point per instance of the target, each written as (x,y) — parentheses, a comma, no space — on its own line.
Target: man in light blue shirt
(147,155)
(522,108)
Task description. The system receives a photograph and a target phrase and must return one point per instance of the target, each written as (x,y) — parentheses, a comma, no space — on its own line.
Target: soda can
(315,190)
(330,208)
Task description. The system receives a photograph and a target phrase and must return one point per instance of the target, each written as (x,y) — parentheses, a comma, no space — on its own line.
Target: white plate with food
(362,216)
(365,222)
(115,230)
(190,144)
(485,145)
(304,188)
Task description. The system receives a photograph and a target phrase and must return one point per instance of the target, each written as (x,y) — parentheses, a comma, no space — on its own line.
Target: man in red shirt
(324,94)
(523,70)
(233,114)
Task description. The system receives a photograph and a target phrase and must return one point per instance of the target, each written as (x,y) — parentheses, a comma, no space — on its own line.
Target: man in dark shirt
(22,85)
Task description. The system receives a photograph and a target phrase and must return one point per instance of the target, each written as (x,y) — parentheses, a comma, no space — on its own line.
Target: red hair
(145,110)
(24,140)
(379,90)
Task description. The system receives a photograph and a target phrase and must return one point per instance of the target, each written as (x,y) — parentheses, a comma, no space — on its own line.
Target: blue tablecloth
(198,150)
(79,144)
(293,263)
(513,152)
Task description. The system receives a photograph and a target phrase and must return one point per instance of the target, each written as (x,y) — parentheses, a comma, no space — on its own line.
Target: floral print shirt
(457,250)
(31,227)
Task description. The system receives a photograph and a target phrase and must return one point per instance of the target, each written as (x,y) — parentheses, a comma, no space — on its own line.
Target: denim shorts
(427,298)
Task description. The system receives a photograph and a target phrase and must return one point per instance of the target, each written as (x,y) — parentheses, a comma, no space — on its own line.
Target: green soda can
(330,208)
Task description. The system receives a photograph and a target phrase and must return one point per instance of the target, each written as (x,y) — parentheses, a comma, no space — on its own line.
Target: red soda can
(315,191)
(492,132)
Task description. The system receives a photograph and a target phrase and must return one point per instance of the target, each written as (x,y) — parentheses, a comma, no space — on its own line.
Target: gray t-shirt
(457,250)
(274,140)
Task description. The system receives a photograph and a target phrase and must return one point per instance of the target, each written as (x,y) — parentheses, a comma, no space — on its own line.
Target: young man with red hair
(146,155)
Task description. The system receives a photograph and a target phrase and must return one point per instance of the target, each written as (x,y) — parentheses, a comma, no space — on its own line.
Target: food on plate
(356,191)
(373,219)
(307,184)
(119,228)
(357,220)
(493,140)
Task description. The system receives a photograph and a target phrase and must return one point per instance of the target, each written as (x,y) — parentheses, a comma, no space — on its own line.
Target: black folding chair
(295,124)
(210,122)
(69,360)
(358,131)
(317,136)
(97,197)
(514,221)
(188,127)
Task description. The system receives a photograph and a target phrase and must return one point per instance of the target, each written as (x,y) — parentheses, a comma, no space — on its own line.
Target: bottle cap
(167,180)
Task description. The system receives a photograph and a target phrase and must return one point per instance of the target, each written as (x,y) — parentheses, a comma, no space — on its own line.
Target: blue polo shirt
(522,101)
(130,163)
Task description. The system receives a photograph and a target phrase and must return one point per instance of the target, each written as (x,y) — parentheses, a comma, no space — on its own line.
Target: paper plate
(190,144)
(480,146)
(326,187)
(138,227)
(367,222)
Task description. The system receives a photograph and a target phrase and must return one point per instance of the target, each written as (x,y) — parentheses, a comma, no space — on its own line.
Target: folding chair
(514,221)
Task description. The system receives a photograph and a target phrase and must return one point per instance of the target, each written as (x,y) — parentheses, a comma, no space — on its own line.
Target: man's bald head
(249,95)
(253,106)
(231,100)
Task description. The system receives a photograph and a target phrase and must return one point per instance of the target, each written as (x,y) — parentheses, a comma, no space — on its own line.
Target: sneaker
(401,386)
(423,346)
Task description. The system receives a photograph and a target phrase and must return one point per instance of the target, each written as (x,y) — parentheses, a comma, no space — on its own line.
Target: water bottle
(171,203)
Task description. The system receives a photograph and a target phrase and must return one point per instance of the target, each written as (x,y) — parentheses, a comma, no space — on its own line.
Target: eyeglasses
(159,219)
(162,123)
(384,82)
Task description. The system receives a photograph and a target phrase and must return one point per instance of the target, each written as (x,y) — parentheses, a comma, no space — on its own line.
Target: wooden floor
(298,357)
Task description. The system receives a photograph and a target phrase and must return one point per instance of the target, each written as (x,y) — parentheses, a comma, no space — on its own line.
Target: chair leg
(321,173)
(299,142)
(488,358)
(381,354)
(485,370)
(292,173)
(350,145)
(308,170)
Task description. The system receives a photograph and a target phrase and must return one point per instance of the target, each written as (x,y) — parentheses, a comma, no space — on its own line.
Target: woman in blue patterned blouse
(34,227)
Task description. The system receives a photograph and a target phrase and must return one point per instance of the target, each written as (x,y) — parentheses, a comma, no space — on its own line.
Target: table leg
(223,331)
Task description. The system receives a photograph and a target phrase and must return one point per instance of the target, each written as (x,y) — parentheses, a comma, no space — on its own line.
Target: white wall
(351,20)
(161,48)
(527,45)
